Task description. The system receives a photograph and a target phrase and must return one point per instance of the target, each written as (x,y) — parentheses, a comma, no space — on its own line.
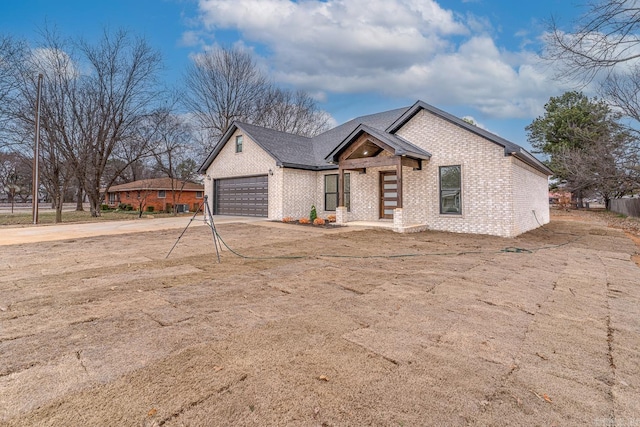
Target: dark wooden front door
(388,193)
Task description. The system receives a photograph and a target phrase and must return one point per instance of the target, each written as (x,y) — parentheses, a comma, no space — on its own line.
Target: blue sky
(472,58)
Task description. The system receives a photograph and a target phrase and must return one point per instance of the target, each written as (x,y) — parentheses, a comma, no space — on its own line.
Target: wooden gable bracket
(366,138)
(416,164)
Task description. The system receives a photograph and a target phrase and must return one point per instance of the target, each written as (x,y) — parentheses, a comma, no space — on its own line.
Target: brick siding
(253,160)
(150,198)
(530,198)
(499,193)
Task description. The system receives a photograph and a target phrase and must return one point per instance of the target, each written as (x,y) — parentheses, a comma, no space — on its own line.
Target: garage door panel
(244,196)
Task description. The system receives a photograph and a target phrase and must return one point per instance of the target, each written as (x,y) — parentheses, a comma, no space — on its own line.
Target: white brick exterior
(253,160)
(530,198)
(500,193)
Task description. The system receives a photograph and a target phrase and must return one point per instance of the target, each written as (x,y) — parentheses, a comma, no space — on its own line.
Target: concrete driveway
(47,233)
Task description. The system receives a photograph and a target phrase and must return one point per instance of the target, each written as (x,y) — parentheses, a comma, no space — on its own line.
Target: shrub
(331,218)
(122,207)
(104,207)
(128,207)
(304,221)
(313,215)
(168,208)
(149,208)
(288,219)
(318,221)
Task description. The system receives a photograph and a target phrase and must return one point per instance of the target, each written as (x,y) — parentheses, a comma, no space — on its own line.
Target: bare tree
(11,51)
(293,112)
(15,175)
(608,34)
(172,150)
(607,168)
(117,94)
(622,91)
(224,85)
(20,111)
(95,96)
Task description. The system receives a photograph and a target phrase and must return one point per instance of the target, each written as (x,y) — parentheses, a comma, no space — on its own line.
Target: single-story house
(417,167)
(161,193)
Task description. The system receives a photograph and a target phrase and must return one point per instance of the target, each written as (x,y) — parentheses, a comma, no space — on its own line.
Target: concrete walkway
(46,233)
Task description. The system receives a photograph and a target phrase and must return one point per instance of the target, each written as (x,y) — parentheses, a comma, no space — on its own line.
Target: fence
(629,207)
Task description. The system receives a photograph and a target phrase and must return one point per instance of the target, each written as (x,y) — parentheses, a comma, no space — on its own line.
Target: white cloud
(54,63)
(401,48)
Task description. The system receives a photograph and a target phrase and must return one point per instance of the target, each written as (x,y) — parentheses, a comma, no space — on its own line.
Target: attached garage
(243,196)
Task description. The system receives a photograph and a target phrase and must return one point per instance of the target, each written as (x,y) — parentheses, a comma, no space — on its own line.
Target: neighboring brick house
(419,167)
(157,192)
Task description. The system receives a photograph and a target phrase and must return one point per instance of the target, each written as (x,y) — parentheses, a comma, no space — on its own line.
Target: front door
(388,193)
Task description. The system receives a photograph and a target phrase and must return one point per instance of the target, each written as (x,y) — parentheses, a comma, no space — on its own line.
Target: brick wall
(150,198)
(299,193)
(499,192)
(486,178)
(530,194)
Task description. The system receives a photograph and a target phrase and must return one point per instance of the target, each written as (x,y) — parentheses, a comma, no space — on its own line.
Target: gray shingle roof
(326,142)
(510,149)
(300,152)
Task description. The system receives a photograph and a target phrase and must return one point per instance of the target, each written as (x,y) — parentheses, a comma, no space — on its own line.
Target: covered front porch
(389,157)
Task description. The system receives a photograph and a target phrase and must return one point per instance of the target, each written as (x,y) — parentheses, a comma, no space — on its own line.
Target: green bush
(122,207)
(168,208)
(104,207)
(149,208)
(128,207)
(313,215)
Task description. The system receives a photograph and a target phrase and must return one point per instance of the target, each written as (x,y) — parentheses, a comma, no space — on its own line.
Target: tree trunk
(58,201)
(94,205)
(79,197)
(579,204)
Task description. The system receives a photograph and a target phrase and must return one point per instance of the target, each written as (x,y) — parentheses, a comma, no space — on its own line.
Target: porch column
(399,179)
(341,215)
(340,187)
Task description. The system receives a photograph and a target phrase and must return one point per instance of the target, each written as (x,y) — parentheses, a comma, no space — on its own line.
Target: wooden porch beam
(380,144)
(340,186)
(399,162)
(353,148)
(368,162)
(412,163)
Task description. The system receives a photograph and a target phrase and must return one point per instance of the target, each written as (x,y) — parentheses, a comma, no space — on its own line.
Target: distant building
(161,193)
(560,198)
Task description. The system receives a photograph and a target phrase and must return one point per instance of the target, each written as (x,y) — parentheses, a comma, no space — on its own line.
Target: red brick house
(160,193)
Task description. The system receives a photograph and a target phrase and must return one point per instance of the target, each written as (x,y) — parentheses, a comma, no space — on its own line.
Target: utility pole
(36,155)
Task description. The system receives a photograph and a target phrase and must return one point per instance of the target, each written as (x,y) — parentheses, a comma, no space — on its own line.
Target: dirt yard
(105,331)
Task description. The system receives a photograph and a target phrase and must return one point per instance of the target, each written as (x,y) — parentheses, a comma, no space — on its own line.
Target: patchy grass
(48,217)
(106,330)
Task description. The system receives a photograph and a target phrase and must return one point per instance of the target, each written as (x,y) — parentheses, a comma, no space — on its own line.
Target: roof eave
(223,141)
(308,167)
(412,154)
(218,147)
(530,160)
